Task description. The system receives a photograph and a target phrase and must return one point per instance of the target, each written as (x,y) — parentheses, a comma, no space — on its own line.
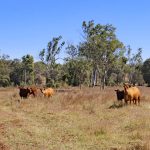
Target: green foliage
(116,73)
(16,76)
(77,69)
(146,71)
(39,72)
(53,49)
(72,52)
(54,78)
(4,80)
(4,70)
(28,69)
(135,66)
(77,72)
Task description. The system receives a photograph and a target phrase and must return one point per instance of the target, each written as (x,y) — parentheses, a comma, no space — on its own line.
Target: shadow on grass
(116,105)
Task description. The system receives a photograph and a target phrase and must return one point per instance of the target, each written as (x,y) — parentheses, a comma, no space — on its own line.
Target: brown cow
(131,94)
(47,92)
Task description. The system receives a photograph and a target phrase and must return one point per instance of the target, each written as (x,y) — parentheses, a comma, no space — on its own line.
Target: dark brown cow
(24,92)
(120,94)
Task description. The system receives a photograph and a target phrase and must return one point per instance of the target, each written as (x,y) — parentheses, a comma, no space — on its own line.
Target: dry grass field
(86,119)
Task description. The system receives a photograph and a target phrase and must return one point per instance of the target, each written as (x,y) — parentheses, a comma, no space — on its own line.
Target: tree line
(100,59)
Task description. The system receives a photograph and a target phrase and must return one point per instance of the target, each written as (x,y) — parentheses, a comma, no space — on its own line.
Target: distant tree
(72,52)
(28,69)
(146,71)
(76,67)
(4,70)
(134,66)
(76,72)
(39,72)
(16,76)
(137,62)
(49,57)
(116,73)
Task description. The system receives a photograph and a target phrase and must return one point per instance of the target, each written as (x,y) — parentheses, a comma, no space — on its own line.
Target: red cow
(33,91)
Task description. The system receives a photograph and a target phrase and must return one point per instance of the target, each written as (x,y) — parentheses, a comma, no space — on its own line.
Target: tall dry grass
(89,118)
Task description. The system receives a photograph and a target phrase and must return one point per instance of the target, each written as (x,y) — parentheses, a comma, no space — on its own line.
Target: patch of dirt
(3,146)
(2,129)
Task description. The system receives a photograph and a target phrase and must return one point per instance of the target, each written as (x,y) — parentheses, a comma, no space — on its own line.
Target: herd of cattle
(25,92)
(130,93)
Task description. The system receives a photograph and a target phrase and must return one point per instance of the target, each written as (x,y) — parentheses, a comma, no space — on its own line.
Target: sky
(26,26)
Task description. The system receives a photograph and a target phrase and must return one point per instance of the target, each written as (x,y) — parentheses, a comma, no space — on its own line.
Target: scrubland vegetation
(89,118)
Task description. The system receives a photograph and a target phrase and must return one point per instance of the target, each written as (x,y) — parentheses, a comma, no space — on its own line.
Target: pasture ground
(86,119)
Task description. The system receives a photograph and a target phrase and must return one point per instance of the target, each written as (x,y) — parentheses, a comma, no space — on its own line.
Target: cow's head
(120,94)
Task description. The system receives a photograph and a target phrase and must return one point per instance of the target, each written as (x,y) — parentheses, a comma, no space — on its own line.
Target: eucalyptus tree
(99,47)
(49,56)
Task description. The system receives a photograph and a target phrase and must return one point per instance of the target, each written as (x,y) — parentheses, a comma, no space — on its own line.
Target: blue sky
(26,26)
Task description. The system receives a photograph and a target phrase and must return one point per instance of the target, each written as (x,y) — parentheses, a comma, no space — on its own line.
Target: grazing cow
(120,94)
(47,92)
(131,94)
(24,92)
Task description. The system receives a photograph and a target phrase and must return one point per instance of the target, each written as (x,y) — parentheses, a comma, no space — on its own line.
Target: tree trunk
(94,77)
(104,80)
(25,77)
